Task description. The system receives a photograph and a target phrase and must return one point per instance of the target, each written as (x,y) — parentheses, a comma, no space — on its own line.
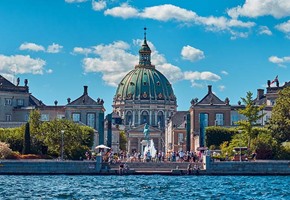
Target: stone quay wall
(247,168)
(30,167)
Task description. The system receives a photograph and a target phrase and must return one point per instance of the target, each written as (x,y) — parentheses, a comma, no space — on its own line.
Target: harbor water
(144,187)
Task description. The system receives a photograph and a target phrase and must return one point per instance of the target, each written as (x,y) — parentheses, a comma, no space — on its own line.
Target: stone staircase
(158,167)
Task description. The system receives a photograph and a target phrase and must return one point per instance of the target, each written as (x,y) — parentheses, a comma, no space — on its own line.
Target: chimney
(209,89)
(260,94)
(68,100)
(85,90)
(25,82)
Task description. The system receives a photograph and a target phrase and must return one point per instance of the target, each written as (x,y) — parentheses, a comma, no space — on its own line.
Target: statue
(146,131)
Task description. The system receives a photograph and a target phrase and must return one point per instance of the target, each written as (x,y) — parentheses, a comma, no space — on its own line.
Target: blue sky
(62,45)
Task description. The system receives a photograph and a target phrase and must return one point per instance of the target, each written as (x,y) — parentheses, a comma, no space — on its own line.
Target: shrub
(5,151)
(216,135)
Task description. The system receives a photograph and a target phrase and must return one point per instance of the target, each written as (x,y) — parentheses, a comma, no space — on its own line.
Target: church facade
(144,96)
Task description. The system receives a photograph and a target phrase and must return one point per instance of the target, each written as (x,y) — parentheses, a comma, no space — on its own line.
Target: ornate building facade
(16,103)
(144,95)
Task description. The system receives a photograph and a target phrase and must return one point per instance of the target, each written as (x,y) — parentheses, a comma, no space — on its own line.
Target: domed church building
(144,96)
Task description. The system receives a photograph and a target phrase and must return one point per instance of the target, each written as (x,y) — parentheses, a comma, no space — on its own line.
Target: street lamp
(240,132)
(62,132)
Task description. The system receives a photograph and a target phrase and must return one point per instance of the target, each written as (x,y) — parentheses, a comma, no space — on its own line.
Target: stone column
(156,117)
(129,145)
(139,116)
(150,117)
(133,118)
(139,145)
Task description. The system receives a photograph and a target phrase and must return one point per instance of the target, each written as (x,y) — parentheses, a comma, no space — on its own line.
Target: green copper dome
(144,82)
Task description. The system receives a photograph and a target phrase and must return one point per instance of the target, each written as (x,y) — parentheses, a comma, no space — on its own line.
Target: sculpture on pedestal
(146,132)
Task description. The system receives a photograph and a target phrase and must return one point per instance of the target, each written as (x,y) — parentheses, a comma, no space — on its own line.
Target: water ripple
(144,187)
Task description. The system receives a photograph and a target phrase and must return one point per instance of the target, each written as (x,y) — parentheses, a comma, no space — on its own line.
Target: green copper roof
(144,83)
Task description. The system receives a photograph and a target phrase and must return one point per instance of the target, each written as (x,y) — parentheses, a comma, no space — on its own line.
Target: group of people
(174,156)
(188,156)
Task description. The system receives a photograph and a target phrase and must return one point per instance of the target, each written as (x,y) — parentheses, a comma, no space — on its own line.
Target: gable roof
(179,119)
(210,99)
(34,101)
(6,85)
(85,99)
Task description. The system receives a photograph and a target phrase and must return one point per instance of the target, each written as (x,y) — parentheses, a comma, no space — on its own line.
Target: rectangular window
(8,102)
(234,119)
(91,120)
(180,138)
(20,102)
(219,119)
(60,116)
(44,117)
(26,117)
(76,117)
(8,118)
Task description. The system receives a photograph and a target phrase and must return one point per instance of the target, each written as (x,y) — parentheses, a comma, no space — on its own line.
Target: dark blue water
(145,187)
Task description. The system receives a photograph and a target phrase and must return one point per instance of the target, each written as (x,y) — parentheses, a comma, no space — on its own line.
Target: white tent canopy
(101,146)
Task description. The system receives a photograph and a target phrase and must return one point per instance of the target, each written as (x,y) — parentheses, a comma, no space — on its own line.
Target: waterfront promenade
(140,168)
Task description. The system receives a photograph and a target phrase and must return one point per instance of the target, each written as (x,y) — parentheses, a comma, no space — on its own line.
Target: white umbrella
(101,146)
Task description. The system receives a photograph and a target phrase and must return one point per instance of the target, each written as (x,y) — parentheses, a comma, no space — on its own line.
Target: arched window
(144,117)
(128,118)
(160,119)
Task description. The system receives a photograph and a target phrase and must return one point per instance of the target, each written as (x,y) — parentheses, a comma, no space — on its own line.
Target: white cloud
(264,30)
(192,54)
(279,61)
(171,72)
(285,28)
(31,46)
(236,35)
(221,23)
(114,61)
(54,48)
(99,5)
(80,50)
(75,1)
(205,76)
(224,72)
(124,11)
(20,64)
(193,77)
(222,87)
(169,12)
(257,8)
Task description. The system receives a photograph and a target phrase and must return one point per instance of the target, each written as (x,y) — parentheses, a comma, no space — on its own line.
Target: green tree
(123,140)
(76,140)
(252,114)
(26,140)
(35,122)
(13,137)
(216,135)
(37,144)
(280,120)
